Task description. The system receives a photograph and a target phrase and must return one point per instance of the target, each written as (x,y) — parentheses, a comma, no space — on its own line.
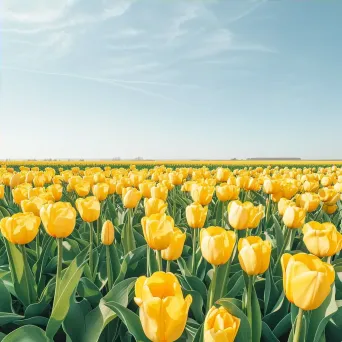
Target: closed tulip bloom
(306,280)
(283,204)
(159,191)
(294,217)
(89,179)
(35,192)
(154,206)
(253,184)
(72,181)
(220,325)
(167,184)
(107,233)
(308,201)
(176,178)
(231,180)
(111,186)
(217,244)
(227,192)
(238,215)
(289,190)
(202,194)
(323,240)
(131,197)
(57,179)
(19,194)
(29,177)
(329,196)
(15,180)
(196,215)
(39,180)
(89,208)
(326,181)
(32,205)
(271,186)
(100,191)
(276,197)
(254,255)
(145,188)
(242,181)
(163,310)
(99,177)
(47,196)
(330,209)
(255,214)
(222,174)
(6,178)
(20,228)
(175,249)
(2,191)
(59,219)
(311,186)
(158,230)
(56,190)
(82,188)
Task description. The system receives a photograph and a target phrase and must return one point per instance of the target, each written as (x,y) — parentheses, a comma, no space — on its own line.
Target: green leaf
(271,292)
(27,333)
(6,317)
(278,312)
(130,319)
(5,298)
(267,335)
(90,291)
(196,306)
(97,319)
(114,262)
(283,327)
(278,235)
(199,335)
(22,277)
(37,320)
(197,285)
(237,287)
(256,317)
(67,287)
(244,334)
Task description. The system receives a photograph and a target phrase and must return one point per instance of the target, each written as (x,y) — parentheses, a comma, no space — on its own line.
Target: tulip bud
(56,190)
(82,188)
(306,280)
(175,249)
(283,204)
(154,206)
(107,233)
(100,191)
(202,194)
(89,208)
(196,215)
(20,228)
(131,197)
(32,205)
(227,192)
(254,255)
(308,201)
(217,244)
(159,191)
(294,217)
(329,209)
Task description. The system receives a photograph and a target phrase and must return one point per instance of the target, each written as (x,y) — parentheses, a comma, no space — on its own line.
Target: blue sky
(170,79)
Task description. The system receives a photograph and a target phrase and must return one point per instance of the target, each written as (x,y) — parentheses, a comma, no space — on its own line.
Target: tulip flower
(111,186)
(20,228)
(254,255)
(329,209)
(32,205)
(329,196)
(227,192)
(220,325)
(39,180)
(163,310)
(145,188)
(175,249)
(154,206)
(82,188)
(202,194)
(131,197)
(2,191)
(19,194)
(294,217)
(271,186)
(100,191)
(283,204)
(323,240)
(308,201)
(73,181)
(222,174)
(56,190)
(176,178)
(107,238)
(159,191)
(312,186)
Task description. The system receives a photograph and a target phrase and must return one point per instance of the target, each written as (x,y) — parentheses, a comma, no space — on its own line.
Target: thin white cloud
(247,12)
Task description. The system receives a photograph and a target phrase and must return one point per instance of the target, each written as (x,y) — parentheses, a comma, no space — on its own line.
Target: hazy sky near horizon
(169,79)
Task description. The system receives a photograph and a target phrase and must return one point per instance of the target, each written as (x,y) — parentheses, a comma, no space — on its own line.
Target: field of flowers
(212,251)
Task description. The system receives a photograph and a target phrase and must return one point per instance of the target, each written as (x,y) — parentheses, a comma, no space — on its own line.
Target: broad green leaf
(67,287)
(267,334)
(196,306)
(6,317)
(278,312)
(256,317)
(5,298)
(271,292)
(37,320)
(283,327)
(22,277)
(27,333)
(114,262)
(90,291)
(278,234)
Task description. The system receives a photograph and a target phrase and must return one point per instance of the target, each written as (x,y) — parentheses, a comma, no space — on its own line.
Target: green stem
(329,260)
(129,244)
(168,265)
(194,247)
(222,215)
(38,244)
(59,264)
(212,288)
(148,262)
(23,250)
(283,247)
(159,261)
(298,325)
(91,260)
(249,299)
(109,271)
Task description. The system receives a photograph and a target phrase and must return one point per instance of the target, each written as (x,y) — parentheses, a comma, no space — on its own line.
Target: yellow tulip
(20,228)
(107,233)
(323,240)
(112,186)
(222,174)
(196,215)
(306,280)
(29,177)
(2,191)
(254,254)
(89,208)
(329,196)
(163,310)
(99,177)
(56,190)
(32,205)
(158,230)
(175,249)
(308,201)
(231,180)
(326,181)
(294,217)
(35,192)
(100,191)
(312,186)
(145,188)
(242,181)
(39,180)
(59,219)
(167,184)
(15,180)
(72,181)
(276,197)
(283,204)
(82,188)
(220,325)
(202,194)
(217,244)
(253,184)
(329,209)
(227,192)
(20,193)
(176,178)
(271,186)
(89,179)
(47,196)
(289,190)
(154,206)
(131,197)
(159,191)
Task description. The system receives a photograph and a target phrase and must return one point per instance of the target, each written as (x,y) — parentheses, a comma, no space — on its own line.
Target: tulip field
(170,252)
